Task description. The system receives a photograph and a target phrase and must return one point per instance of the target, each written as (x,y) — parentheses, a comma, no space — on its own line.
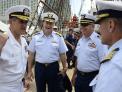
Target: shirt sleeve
(31,46)
(62,46)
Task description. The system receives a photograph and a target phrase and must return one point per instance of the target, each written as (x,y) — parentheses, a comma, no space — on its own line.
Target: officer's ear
(112,24)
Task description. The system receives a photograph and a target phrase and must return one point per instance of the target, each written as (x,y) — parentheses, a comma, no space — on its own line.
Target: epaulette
(58,34)
(110,55)
(36,33)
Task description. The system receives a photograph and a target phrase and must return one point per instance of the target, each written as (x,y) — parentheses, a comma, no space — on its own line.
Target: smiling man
(48,47)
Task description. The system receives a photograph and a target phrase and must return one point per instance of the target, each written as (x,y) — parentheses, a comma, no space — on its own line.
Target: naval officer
(13,56)
(89,52)
(49,47)
(110,19)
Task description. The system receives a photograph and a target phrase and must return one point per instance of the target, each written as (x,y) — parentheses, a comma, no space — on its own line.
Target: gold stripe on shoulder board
(58,34)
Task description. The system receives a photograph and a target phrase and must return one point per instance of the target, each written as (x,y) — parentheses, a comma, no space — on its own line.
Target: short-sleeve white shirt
(47,49)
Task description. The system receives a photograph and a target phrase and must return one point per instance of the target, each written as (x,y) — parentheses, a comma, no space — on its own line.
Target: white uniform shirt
(90,52)
(47,48)
(13,62)
(109,78)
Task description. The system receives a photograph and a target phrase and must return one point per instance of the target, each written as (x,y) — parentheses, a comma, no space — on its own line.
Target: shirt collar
(93,35)
(42,34)
(118,44)
(53,33)
(12,38)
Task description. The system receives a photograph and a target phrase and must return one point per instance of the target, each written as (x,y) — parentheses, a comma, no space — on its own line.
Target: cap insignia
(26,12)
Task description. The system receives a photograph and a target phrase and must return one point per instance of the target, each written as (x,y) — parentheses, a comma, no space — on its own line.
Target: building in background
(5,4)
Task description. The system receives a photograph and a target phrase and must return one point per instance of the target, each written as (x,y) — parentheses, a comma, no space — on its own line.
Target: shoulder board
(36,33)
(58,34)
(110,55)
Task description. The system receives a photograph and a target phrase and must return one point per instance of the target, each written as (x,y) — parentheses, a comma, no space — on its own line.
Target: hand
(73,47)
(73,79)
(63,71)
(30,76)
(27,84)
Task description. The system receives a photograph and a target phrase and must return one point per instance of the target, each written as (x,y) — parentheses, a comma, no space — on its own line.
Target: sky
(76,4)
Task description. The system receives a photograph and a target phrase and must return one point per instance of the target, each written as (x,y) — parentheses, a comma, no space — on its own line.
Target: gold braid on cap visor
(49,19)
(102,16)
(22,17)
(86,21)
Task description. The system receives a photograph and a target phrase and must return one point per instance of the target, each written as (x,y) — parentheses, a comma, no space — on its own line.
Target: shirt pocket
(39,43)
(55,45)
(14,57)
(10,55)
